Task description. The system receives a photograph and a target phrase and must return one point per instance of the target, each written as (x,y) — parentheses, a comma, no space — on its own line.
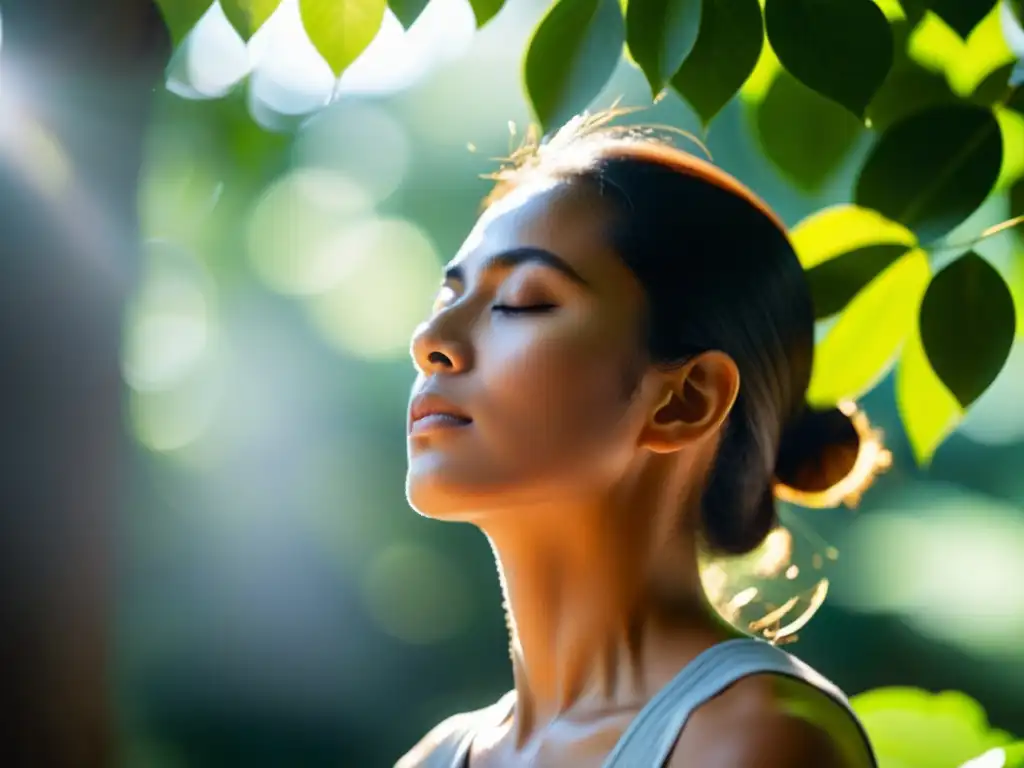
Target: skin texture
(582,465)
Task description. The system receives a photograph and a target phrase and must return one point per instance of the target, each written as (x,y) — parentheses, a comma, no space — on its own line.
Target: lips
(429,411)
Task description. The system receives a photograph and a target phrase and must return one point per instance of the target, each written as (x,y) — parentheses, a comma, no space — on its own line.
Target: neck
(604,605)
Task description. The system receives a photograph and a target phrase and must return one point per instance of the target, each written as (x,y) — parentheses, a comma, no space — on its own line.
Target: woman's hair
(719,273)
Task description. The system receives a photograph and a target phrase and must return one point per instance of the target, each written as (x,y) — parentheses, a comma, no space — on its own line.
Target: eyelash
(533,309)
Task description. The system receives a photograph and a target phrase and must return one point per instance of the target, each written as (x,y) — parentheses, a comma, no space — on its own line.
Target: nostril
(440,358)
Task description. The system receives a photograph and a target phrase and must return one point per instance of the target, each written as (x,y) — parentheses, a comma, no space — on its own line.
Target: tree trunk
(77,80)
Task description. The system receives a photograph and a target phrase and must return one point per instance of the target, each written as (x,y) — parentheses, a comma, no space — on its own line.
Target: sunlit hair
(719,272)
(575,146)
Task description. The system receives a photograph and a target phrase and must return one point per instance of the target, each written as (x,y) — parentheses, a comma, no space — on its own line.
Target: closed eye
(508,309)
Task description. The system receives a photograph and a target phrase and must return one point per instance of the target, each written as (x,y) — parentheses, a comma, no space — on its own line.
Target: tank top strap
(453,750)
(650,738)
(448,751)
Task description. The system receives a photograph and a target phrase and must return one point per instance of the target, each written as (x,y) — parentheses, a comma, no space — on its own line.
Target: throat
(592,631)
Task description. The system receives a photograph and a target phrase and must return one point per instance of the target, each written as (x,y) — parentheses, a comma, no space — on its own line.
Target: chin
(437,490)
(434,496)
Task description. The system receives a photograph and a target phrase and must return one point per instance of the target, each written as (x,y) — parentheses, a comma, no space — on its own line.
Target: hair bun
(829,457)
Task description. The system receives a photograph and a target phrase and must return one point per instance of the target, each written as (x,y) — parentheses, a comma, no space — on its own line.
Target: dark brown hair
(719,272)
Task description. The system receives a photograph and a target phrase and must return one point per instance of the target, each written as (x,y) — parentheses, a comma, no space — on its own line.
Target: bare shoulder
(769,721)
(771,740)
(419,755)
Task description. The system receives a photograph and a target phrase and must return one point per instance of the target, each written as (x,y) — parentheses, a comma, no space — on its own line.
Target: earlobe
(696,400)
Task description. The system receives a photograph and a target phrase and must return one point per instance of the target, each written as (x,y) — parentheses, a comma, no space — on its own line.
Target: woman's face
(528,362)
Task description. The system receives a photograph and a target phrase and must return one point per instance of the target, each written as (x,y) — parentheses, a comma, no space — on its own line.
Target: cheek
(552,415)
(556,399)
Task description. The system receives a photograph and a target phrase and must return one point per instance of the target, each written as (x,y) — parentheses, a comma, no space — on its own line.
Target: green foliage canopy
(911,728)
(928,83)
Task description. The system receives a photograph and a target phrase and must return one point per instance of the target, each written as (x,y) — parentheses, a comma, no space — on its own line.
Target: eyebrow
(517,256)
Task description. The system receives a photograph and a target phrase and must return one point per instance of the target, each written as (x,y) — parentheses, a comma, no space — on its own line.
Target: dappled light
(297,230)
(416,594)
(372,312)
(239,312)
(171,325)
(266,360)
(28,145)
(365,142)
(777,589)
(945,560)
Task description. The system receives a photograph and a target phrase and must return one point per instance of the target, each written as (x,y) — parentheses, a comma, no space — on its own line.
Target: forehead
(568,220)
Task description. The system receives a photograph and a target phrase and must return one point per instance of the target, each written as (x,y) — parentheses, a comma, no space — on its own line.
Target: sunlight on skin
(774,591)
(777,589)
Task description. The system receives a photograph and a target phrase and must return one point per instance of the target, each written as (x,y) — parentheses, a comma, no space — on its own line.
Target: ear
(695,401)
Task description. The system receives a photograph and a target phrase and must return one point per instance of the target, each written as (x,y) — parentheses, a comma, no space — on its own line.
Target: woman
(612,379)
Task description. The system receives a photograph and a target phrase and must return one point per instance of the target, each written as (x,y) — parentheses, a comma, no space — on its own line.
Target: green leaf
(407,11)
(1017,199)
(660,35)
(835,283)
(1011,126)
(247,16)
(933,169)
(181,16)
(803,134)
(765,72)
(1016,100)
(994,88)
(919,729)
(838,229)
(571,56)
(841,48)
(986,55)
(1017,289)
(968,322)
(909,90)
(962,15)
(1000,757)
(1015,755)
(909,87)
(928,410)
(964,62)
(866,339)
(727,49)
(341,29)
(843,248)
(485,10)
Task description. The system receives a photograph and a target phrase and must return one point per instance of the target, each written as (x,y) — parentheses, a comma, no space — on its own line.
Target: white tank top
(650,737)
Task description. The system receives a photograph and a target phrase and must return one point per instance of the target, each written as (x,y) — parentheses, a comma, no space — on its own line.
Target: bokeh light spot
(297,231)
(946,560)
(416,595)
(374,310)
(775,590)
(168,420)
(363,142)
(168,330)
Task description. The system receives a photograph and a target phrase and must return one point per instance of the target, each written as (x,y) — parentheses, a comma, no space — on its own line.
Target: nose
(437,349)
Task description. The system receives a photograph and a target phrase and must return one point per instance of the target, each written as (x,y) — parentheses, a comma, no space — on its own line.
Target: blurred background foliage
(280,605)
